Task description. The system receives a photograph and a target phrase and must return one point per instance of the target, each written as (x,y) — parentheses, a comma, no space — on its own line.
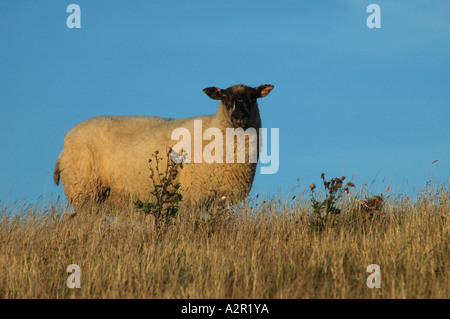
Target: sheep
(106,159)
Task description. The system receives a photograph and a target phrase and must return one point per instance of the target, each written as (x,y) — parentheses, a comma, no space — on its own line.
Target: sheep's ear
(214,93)
(264,90)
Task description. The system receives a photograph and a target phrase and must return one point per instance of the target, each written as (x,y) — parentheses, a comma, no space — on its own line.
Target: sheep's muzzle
(240,123)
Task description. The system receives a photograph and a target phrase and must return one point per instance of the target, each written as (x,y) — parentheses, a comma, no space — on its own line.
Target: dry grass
(270,250)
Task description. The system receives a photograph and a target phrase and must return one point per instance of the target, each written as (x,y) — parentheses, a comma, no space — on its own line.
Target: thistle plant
(166,190)
(334,191)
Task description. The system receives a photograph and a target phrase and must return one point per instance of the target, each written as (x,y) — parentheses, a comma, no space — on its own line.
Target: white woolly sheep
(106,159)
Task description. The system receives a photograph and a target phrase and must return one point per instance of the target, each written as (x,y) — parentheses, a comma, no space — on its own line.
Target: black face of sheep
(240,101)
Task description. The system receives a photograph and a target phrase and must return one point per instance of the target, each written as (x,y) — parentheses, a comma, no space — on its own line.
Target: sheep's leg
(114,198)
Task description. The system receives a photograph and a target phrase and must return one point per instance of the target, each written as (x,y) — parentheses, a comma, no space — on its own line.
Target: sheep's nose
(240,123)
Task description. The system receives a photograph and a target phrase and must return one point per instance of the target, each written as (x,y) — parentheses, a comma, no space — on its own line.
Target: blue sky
(371,104)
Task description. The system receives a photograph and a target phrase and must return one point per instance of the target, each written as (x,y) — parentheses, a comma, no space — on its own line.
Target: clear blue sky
(371,104)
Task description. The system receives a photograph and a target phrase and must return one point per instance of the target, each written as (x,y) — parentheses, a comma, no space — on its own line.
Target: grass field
(272,248)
